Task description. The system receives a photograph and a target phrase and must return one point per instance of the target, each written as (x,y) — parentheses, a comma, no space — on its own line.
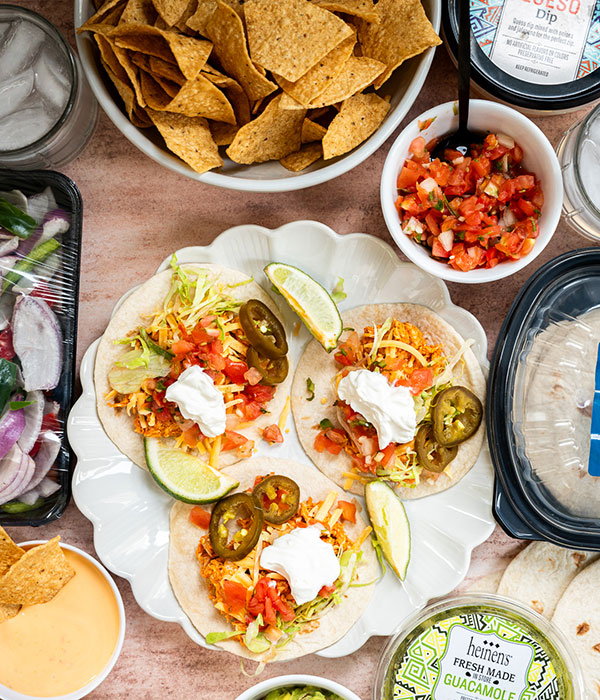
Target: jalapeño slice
(273,371)
(263,329)
(432,456)
(243,512)
(456,415)
(279,497)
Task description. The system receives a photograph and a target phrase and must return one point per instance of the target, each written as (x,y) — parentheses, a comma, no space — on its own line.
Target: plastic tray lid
(544,402)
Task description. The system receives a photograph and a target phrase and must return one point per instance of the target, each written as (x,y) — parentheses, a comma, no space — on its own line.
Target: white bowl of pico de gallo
(475,217)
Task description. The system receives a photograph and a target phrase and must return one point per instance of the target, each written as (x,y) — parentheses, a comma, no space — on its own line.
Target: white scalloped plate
(130,513)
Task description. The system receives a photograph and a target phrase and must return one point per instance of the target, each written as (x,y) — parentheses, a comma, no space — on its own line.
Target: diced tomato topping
(272,434)
(200,517)
(348,511)
(323,443)
(232,440)
(182,347)
(417,147)
(199,336)
(326,591)
(235,370)
(191,435)
(260,393)
(420,379)
(251,410)
(235,595)
(388,454)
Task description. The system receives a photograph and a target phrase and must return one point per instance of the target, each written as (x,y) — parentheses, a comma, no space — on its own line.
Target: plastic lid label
(594,458)
(548,42)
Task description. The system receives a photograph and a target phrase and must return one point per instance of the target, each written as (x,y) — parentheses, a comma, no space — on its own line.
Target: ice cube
(14,91)
(52,81)
(589,168)
(24,127)
(4,29)
(20,49)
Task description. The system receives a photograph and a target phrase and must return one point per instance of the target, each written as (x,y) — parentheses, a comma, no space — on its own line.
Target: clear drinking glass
(579,155)
(47,110)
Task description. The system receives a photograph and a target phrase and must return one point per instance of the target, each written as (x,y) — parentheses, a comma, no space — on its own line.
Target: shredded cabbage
(378,334)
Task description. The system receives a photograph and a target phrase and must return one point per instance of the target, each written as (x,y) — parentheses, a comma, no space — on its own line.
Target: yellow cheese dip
(59,647)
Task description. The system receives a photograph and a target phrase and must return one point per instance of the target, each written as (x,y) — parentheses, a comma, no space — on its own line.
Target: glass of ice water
(579,155)
(47,110)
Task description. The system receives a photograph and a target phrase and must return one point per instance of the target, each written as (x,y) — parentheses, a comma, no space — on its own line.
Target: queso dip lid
(478,647)
(534,54)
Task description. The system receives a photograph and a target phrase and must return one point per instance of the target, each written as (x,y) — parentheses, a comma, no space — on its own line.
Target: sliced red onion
(55,222)
(8,245)
(44,459)
(34,415)
(40,204)
(7,262)
(16,470)
(16,198)
(12,425)
(37,340)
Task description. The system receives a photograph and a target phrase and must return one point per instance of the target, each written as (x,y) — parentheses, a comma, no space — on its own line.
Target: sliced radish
(9,245)
(48,487)
(44,458)
(34,415)
(16,470)
(12,425)
(37,339)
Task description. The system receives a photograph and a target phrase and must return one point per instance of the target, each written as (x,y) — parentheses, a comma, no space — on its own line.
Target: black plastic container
(68,198)
(541,392)
(535,90)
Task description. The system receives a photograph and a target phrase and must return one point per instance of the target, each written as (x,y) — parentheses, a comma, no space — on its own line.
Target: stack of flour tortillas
(562,585)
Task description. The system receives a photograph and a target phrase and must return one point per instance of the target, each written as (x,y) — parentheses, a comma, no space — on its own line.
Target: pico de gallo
(402,353)
(258,602)
(470,211)
(201,323)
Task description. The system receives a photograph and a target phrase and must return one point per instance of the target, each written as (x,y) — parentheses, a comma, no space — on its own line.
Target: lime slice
(185,477)
(391,525)
(310,301)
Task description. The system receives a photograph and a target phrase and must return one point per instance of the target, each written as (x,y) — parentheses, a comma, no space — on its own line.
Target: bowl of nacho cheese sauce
(65,648)
(479,647)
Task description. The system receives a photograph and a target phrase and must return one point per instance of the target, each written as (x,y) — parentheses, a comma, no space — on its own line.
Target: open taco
(264,606)
(175,363)
(400,399)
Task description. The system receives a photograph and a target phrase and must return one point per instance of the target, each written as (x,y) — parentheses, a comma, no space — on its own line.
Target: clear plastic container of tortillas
(542,417)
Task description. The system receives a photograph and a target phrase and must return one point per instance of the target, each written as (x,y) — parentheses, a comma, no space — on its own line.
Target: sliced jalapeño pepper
(457,413)
(279,497)
(273,371)
(243,512)
(432,456)
(263,329)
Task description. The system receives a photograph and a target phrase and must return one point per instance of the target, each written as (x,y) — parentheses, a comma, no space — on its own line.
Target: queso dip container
(95,591)
(478,647)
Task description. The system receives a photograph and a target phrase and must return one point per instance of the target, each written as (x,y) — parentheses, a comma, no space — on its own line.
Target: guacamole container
(477,647)
(543,406)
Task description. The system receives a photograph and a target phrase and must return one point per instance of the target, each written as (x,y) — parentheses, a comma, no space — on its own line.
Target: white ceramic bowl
(8,694)
(404,87)
(258,692)
(484,116)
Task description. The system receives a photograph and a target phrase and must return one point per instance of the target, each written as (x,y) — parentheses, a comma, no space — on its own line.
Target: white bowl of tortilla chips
(146,52)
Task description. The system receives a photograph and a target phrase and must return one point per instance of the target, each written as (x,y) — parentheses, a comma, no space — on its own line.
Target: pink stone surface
(135,213)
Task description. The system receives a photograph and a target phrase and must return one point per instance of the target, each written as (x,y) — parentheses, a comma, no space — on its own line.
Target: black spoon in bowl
(461,139)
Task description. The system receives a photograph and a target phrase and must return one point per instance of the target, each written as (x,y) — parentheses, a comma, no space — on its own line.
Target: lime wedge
(184,476)
(391,525)
(310,301)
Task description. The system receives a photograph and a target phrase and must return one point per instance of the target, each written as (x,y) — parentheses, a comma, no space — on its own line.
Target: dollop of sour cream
(199,400)
(304,560)
(390,409)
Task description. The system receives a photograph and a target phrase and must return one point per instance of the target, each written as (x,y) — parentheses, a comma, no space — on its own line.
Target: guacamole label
(475,657)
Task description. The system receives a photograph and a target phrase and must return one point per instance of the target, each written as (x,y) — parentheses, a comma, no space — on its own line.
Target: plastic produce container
(62,288)
(543,406)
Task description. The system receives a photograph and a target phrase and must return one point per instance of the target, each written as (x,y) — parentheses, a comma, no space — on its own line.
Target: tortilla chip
(273,135)
(301,159)
(311,131)
(108,13)
(238,98)
(189,11)
(189,138)
(37,576)
(223,134)
(120,64)
(364,9)
(170,10)
(226,31)
(171,88)
(289,37)
(359,117)
(136,115)
(9,552)
(320,76)
(403,31)
(204,11)
(188,53)
(196,98)
(357,74)
(138,12)
(8,611)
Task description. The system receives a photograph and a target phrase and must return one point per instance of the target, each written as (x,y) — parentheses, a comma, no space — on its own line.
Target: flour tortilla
(577,615)
(554,413)
(144,301)
(321,367)
(191,590)
(539,575)
(486,584)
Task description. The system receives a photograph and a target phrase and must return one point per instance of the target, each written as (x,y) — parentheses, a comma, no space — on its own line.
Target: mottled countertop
(135,213)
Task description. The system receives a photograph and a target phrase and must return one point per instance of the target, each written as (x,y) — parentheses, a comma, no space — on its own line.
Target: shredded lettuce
(338,295)
(254,639)
(378,334)
(310,388)
(214,637)
(446,376)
